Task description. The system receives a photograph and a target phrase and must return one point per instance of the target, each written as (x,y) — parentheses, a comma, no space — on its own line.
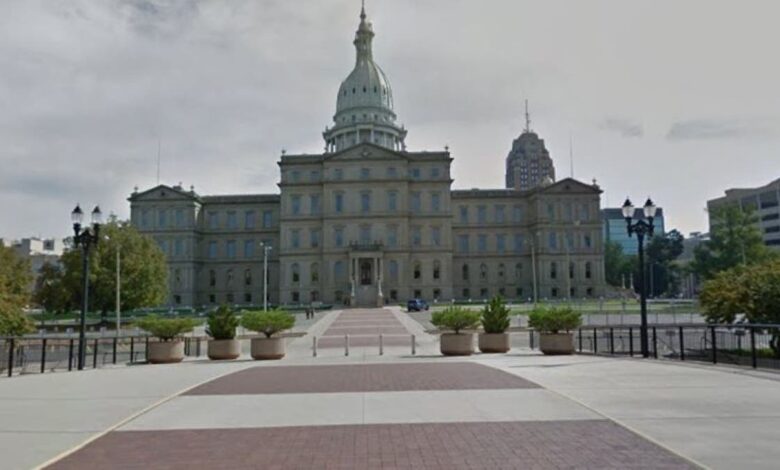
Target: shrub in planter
(554,326)
(495,321)
(170,348)
(456,319)
(269,324)
(221,325)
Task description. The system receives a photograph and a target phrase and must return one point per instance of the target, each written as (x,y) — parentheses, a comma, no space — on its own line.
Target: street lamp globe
(628,209)
(649,209)
(97,216)
(77,215)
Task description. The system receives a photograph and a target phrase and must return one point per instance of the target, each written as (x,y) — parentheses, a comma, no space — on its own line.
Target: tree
(617,265)
(15,278)
(734,239)
(749,290)
(50,292)
(144,272)
(662,251)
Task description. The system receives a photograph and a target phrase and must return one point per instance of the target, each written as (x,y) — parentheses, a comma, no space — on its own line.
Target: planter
(556,343)
(493,342)
(268,348)
(221,349)
(165,352)
(452,344)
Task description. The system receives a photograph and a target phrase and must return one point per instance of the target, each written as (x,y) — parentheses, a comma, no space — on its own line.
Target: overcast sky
(675,99)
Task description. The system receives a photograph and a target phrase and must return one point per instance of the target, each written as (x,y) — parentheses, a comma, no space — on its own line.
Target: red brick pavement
(441,446)
(364,327)
(362,378)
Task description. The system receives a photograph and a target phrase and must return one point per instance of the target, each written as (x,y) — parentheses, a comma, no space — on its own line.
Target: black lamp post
(641,228)
(85,238)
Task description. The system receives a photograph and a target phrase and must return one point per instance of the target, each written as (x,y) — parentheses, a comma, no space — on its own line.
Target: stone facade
(368,222)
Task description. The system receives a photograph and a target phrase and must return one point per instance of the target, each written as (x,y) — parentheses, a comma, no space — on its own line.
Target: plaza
(395,410)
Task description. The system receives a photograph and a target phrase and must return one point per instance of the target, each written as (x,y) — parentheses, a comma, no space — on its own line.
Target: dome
(364,106)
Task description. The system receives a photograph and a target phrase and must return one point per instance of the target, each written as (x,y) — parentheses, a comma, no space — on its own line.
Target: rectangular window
(295,204)
(481,214)
(416,236)
(464,214)
(552,240)
(392,236)
(178,247)
(435,173)
(230,249)
(338,236)
(212,250)
(436,236)
(501,243)
(249,220)
(314,204)
(365,202)
(314,237)
(268,219)
(365,173)
(435,202)
(482,243)
(232,221)
(295,238)
(415,172)
(162,218)
(518,242)
(550,211)
(415,202)
(392,201)
(463,243)
(249,248)
(392,172)
(517,214)
(587,241)
(584,212)
(295,175)
(144,218)
(179,217)
(338,202)
(365,234)
(338,174)
(314,176)
(500,215)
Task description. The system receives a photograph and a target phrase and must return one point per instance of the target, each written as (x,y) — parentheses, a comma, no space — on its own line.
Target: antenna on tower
(158,160)
(571,155)
(527,118)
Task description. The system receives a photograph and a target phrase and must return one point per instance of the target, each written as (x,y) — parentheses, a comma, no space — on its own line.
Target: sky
(673,99)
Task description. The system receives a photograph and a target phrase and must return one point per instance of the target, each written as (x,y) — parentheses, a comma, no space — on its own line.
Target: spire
(364,36)
(527,118)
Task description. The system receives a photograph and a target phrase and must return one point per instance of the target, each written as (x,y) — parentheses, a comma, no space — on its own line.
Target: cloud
(705,129)
(624,127)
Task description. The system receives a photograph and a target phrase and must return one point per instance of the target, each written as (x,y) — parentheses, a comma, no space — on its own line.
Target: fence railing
(30,355)
(744,345)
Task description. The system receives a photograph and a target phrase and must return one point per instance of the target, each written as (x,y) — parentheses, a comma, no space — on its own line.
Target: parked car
(416,305)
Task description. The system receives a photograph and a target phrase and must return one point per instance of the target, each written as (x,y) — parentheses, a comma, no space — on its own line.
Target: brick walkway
(364,327)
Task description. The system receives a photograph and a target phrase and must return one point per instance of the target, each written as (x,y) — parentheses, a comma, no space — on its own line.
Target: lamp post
(266,249)
(641,228)
(85,238)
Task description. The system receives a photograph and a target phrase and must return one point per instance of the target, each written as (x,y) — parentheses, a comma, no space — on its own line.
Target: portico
(366,264)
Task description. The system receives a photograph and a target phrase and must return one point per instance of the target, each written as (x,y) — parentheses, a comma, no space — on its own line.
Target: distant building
(528,164)
(37,251)
(764,200)
(615,228)
(690,282)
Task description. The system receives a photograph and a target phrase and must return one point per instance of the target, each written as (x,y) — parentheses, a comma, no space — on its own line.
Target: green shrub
(222,323)
(455,319)
(166,328)
(554,320)
(269,323)
(495,316)
(15,324)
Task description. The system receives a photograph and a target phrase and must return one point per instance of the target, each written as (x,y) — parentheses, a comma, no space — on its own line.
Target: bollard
(11,347)
(314,346)
(381,345)
(95,354)
(113,351)
(346,345)
(414,346)
(197,347)
(70,355)
(43,356)
(132,349)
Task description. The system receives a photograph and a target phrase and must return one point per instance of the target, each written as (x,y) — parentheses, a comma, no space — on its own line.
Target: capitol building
(370,222)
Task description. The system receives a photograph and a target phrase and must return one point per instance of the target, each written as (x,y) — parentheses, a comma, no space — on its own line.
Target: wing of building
(369,222)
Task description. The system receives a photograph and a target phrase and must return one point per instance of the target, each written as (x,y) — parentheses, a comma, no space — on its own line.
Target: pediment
(366,152)
(570,185)
(163,193)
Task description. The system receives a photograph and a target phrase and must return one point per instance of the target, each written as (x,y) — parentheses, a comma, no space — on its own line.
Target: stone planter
(221,349)
(268,348)
(556,343)
(493,342)
(452,344)
(165,352)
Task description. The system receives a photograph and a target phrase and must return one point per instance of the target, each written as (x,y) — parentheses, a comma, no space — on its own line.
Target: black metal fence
(29,355)
(745,345)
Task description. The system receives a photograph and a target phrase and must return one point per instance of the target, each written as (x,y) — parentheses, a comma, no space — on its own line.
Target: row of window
(251,248)
(518,271)
(231,219)
(166,218)
(555,241)
(337,174)
(365,204)
(366,236)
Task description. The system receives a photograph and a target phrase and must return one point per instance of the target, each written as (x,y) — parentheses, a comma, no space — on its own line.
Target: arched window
(483,272)
(248,277)
(296,273)
(229,278)
(553,270)
(436,269)
(465,272)
(588,270)
(212,278)
(393,268)
(501,271)
(315,273)
(417,273)
(518,271)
